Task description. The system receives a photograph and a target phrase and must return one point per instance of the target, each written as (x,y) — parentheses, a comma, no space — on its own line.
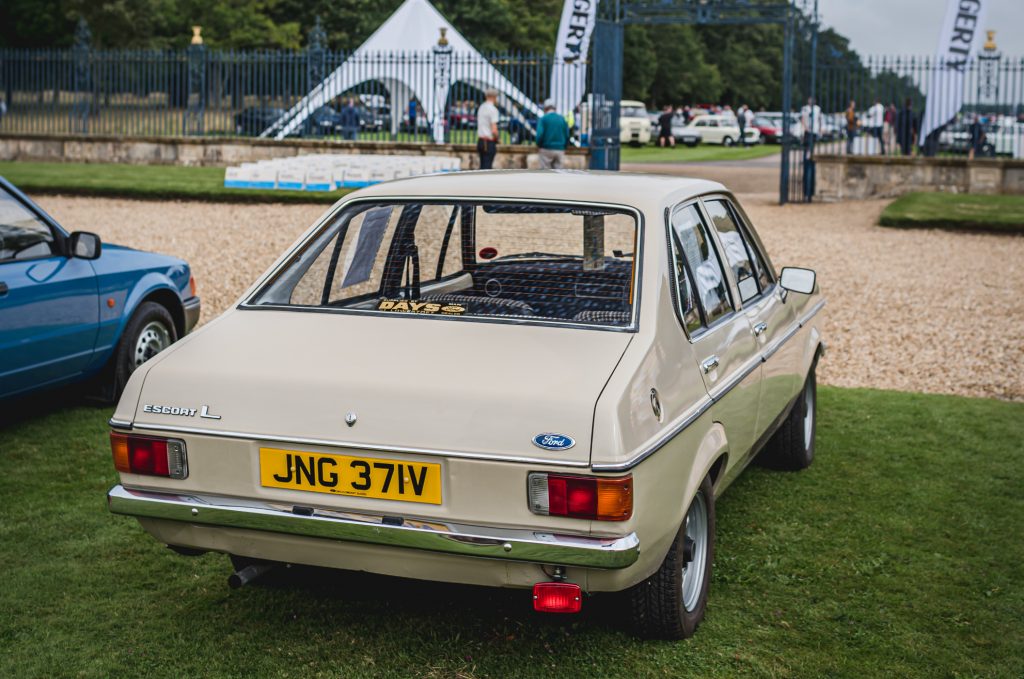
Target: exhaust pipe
(250,573)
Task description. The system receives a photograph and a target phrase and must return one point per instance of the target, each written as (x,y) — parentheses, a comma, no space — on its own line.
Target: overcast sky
(912,26)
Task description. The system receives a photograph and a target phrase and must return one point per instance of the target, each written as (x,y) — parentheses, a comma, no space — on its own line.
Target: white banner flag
(964,23)
(569,71)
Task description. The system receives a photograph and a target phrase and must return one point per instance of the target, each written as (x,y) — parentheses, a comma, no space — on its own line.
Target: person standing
(741,122)
(665,136)
(906,127)
(552,138)
(749,116)
(412,116)
(487,130)
(810,118)
(349,119)
(876,123)
(851,126)
(977,134)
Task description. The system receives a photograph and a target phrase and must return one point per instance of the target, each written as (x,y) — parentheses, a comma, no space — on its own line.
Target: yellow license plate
(351,475)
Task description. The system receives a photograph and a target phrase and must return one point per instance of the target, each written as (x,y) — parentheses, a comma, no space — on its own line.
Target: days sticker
(408,306)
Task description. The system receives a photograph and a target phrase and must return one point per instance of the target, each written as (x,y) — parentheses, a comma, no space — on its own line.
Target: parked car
(74,309)
(461,117)
(251,122)
(683,133)
(535,380)
(771,131)
(634,125)
(773,119)
(720,129)
(521,128)
(378,118)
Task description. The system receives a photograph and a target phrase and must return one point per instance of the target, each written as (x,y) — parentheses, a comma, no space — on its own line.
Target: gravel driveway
(913,310)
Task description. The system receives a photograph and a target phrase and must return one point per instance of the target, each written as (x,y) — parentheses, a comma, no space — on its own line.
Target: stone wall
(224,151)
(857,177)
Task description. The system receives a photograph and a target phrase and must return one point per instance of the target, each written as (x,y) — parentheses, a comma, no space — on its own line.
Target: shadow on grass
(408,598)
(38,405)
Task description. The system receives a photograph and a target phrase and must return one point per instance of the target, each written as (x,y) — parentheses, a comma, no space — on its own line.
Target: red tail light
(557,597)
(149,455)
(581,497)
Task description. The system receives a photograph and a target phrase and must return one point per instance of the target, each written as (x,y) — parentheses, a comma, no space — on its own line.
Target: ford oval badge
(554,441)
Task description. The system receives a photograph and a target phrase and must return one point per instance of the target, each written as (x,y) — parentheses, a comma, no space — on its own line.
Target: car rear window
(517,262)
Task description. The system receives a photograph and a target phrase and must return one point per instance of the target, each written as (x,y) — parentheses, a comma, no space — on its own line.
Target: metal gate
(796,176)
(606,93)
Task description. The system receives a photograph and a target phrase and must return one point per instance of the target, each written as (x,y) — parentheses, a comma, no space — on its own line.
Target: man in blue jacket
(552,137)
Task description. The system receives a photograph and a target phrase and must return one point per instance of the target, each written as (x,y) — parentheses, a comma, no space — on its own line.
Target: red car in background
(771,130)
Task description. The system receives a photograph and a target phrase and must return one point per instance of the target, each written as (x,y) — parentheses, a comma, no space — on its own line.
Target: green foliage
(897,554)
(664,64)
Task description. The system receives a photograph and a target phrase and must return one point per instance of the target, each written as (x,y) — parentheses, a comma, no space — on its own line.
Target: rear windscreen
(527,262)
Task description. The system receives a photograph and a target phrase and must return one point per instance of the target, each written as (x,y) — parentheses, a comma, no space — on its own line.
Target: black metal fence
(878,107)
(199,91)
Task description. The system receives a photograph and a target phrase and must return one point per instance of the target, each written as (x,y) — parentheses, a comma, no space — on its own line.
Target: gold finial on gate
(990,41)
(197,38)
(443,40)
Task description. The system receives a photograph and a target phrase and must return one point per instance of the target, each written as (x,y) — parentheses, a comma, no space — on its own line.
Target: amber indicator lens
(149,455)
(581,497)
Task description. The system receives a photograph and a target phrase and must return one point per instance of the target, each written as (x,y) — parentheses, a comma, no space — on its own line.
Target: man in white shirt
(810,118)
(487,130)
(876,123)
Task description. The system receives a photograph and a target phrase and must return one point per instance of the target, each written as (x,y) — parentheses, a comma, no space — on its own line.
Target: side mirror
(798,280)
(84,245)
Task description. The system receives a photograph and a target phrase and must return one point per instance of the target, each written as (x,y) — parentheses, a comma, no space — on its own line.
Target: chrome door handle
(760,328)
(709,364)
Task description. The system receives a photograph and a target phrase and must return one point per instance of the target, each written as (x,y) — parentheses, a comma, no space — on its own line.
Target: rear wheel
(671,603)
(727,141)
(792,446)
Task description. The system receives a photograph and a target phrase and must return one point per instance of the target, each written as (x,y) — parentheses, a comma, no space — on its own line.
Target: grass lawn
(956,211)
(699,154)
(160,182)
(898,553)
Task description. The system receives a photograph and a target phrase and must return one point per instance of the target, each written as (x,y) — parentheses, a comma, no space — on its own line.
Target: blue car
(73,309)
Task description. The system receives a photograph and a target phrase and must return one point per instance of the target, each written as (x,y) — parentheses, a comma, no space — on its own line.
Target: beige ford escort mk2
(539,380)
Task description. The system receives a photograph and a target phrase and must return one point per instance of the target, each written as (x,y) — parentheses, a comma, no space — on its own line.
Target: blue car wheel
(150,331)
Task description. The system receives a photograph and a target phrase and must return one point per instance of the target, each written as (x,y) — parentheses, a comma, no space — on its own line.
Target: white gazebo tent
(405,56)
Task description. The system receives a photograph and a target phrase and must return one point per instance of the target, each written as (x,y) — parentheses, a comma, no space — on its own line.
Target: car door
(771,319)
(713,134)
(49,303)
(728,360)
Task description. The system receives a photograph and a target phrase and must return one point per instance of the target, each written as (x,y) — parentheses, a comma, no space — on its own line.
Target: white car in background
(634,124)
(720,129)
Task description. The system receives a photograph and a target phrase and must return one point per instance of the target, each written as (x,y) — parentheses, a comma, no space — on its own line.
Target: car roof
(569,185)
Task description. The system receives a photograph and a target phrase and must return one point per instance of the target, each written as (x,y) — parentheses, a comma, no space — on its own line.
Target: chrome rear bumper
(192,308)
(463,540)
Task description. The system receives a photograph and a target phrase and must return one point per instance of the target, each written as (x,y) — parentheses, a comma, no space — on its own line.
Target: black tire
(727,141)
(124,361)
(791,448)
(657,605)
(691,144)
